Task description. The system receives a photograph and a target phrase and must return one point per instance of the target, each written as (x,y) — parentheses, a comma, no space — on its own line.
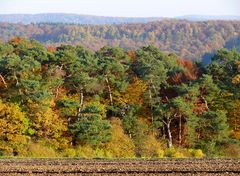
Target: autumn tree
(14,128)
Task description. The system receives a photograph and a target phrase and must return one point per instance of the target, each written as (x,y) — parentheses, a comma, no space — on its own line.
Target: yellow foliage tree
(13,127)
(133,94)
(121,146)
(48,125)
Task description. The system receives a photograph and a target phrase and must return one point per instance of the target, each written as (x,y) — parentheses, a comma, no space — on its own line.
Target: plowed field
(61,167)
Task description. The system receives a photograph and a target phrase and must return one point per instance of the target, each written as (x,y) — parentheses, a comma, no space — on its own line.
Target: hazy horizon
(123,8)
(190,15)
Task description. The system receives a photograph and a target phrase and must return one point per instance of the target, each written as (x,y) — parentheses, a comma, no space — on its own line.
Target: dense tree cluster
(71,101)
(190,40)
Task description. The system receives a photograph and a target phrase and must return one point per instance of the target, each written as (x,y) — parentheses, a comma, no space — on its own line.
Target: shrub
(196,153)
(183,153)
(231,150)
(85,151)
(39,150)
(102,153)
(69,152)
(151,148)
(174,153)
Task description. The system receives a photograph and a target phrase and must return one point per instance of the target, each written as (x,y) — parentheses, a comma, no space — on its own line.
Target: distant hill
(91,19)
(207,17)
(188,39)
(70,18)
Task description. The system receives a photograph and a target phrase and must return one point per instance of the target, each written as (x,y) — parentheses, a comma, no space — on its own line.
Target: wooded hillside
(190,40)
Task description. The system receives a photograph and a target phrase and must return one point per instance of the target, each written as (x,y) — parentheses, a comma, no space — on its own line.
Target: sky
(123,8)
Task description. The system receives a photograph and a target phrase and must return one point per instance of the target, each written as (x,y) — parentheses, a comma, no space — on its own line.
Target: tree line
(71,101)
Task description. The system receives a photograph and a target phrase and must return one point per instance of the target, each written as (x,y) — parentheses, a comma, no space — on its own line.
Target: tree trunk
(3,80)
(150,97)
(15,76)
(205,103)
(81,103)
(130,135)
(154,88)
(109,91)
(168,126)
(169,135)
(180,131)
(164,132)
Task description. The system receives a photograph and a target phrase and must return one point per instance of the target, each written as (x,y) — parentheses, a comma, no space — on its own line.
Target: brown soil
(169,167)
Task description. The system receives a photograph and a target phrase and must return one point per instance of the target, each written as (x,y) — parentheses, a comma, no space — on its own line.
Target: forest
(189,39)
(71,101)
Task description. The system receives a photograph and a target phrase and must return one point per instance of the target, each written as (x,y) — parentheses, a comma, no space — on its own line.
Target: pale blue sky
(130,8)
